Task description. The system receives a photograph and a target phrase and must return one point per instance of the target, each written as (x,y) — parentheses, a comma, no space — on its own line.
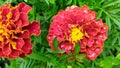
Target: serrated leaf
(107,19)
(110,3)
(55,43)
(77,48)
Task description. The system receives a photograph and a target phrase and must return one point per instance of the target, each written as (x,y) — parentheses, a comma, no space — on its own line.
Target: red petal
(1,53)
(104,29)
(18,25)
(25,34)
(26,9)
(34,28)
(15,14)
(22,7)
(101,36)
(67,46)
(23,55)
(6,50)
(5,11)
(27,46)
(98,50)
(19,43)
(90,42)
(24,19)
(14,53)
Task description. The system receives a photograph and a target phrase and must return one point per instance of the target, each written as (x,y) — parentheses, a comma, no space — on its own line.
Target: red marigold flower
(15,30)
(78,25)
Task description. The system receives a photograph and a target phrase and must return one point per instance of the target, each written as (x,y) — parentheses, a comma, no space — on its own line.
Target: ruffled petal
(34,28)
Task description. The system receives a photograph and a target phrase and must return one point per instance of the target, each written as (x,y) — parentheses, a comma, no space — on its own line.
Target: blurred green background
(44,57)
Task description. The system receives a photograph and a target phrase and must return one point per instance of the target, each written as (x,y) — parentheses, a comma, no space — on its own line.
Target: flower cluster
(15,30)
(78,25)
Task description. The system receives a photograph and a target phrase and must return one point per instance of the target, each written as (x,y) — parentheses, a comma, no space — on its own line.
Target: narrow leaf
(55,44)
(118,56)
(114,40)
(69,2)
(52,1)
(99,14)
(107,19)
(77,48)
(80,56)
(110,3)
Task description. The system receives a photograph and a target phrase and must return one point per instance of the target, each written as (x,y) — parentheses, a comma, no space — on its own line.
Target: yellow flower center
(76,34)
(5,32)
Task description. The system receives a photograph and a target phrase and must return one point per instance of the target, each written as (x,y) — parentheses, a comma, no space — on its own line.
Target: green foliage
(44,57)
(55,43)
(77,48)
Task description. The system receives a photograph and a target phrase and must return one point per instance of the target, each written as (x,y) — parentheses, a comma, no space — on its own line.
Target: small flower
(78,25)
(15,31)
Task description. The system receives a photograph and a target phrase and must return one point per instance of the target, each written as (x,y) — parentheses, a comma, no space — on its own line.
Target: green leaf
(118,56)
(100,1)
(80,56)
(38,56)
(25,0)
(52,1)
(74,2)
(55,44)
(110,3)
(116,21)
(107,19)
(69,2)
(61,51)
(47,2)
(114,40)
(77,48)
(119,40)
(116,61)
(114,10)
(99,14)
(107,62)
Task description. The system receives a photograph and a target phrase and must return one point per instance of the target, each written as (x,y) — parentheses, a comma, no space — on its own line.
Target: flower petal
(34,28)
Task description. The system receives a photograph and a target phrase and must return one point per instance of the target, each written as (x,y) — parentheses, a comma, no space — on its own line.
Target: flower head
(78,25)
(15,30)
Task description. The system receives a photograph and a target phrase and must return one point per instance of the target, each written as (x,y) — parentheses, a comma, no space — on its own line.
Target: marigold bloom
(15,30)
(78,25)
